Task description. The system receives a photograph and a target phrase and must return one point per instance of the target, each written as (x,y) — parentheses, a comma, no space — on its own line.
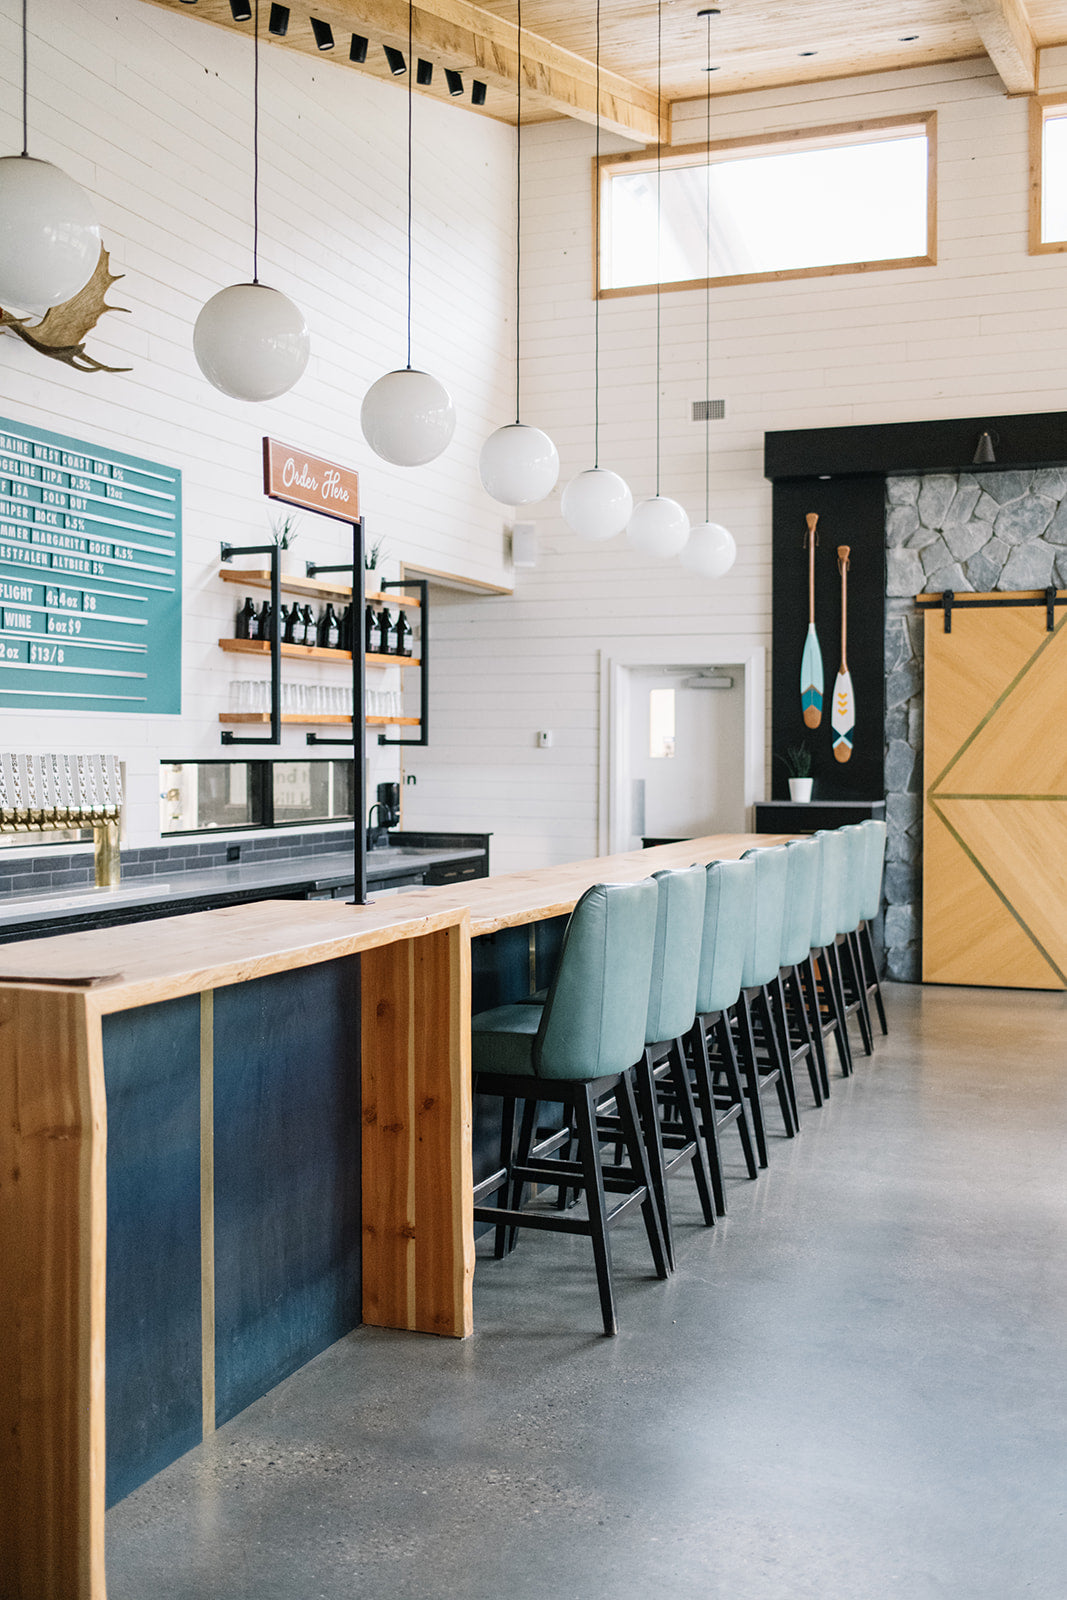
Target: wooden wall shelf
(313,652)
(300,720)
(311,588)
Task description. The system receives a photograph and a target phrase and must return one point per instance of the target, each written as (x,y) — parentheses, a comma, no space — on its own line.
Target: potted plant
(286,531)
(374,562)
(797,761)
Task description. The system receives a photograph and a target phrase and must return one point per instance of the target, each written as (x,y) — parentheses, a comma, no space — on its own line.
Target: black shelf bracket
(422,585)
(228,551)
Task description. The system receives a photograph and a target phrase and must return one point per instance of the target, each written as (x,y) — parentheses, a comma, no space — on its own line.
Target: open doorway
(684,749)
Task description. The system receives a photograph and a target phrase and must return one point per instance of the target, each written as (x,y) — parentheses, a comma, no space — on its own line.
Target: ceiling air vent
(709,410)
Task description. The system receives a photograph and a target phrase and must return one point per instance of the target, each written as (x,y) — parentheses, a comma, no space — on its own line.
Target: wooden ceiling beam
(456,34)
(1004,29)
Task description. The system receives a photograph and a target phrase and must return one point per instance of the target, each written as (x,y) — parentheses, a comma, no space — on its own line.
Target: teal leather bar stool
(870,908)
(826,1000)
(672,1003)
(729,906)
(577,1049)
(802,1039)
(765,1064)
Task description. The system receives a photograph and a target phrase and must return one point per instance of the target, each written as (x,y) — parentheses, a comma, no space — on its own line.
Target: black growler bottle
(400,635)
(329,631)
(306,634)
(345,627)
(290,620)
(266,620)
(385,627)
(370,629)
(247,621)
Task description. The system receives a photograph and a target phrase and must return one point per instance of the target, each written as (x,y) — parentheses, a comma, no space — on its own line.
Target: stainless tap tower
(54,793)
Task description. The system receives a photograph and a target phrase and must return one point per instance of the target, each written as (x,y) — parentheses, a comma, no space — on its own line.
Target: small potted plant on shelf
(797,762)
(286,531)
(374,562)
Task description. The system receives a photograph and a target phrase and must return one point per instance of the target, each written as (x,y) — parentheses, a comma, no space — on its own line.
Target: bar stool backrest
(801,888)
(826,925)
(672,998)
(763,953)
(593,1022)
(729,912)
(855,877)
(871,902)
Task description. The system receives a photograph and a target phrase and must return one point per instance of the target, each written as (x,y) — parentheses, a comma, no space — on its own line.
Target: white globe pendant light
(518,464)
(711,550)
(597,504)
(251,341)
(49,235)
(659,527)
(407,416)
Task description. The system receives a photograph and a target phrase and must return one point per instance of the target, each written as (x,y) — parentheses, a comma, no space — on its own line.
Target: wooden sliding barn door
(995,797)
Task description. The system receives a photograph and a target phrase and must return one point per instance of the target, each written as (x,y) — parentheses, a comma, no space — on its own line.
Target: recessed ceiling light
(477,93)
(323,34)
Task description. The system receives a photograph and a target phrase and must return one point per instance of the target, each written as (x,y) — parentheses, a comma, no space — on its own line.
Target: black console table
(796,816)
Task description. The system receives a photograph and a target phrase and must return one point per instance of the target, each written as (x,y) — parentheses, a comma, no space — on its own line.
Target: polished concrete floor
(853,1389)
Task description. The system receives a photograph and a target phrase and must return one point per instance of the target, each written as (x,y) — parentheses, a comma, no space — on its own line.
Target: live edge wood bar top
(61,1000)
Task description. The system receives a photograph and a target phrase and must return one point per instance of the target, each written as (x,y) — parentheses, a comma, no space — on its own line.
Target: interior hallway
(853,1389)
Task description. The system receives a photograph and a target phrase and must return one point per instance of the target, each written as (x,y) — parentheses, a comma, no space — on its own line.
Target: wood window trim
(1039,106)
(819,136)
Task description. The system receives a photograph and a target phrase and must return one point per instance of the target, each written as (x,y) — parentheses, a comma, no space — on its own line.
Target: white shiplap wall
(152,113)
(985,330)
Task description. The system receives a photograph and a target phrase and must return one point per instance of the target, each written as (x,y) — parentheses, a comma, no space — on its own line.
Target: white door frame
(613,811)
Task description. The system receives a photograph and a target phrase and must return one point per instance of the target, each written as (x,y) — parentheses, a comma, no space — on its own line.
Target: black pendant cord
(255,154)
(707,299)
(25,76)
(411,103)
(518,211)
(596,246)
(659,211)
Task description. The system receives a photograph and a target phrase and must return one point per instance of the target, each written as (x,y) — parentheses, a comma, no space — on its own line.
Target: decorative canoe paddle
(843,713)
(811,660)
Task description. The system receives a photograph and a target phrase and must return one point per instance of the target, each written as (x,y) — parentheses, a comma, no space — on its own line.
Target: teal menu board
(90,576)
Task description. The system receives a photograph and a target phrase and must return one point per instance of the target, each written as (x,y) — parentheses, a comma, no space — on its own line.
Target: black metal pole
(228,551)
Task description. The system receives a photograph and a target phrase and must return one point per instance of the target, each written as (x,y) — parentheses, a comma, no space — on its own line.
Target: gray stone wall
(962,531)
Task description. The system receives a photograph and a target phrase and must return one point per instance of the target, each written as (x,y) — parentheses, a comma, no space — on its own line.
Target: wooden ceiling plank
(456,34)
(1004,29)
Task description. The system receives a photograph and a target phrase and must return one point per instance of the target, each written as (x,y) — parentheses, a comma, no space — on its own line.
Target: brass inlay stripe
(1043,798)
(207,1209)
(973,859)
(413,1141)
(995,707)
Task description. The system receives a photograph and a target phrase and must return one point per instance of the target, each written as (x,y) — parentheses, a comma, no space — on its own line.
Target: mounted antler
(62,331)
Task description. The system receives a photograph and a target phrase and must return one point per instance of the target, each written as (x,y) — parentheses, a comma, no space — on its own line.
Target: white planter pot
(291,564)
(800,788)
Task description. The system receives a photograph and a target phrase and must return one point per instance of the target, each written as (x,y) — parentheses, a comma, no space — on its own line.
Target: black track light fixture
(454,80)
(358,49)
(477,93)
(323,34)
(279,21)
(424,73)
(241,10)
(395,58)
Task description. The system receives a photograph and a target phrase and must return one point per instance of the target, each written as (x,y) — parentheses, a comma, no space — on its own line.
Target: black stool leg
(705,1099)
(589,1155)
(836,988)
(683,1094)
(787,1098)
(728,1067)
(504,1237)
(808,997)
(657,1164)
(627,1107)
(870,965)
(750,1067)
